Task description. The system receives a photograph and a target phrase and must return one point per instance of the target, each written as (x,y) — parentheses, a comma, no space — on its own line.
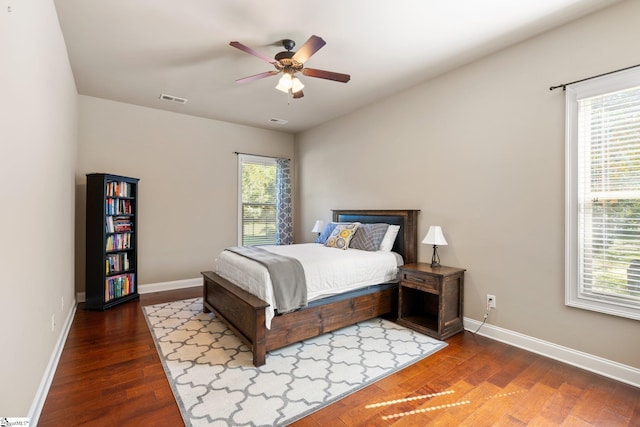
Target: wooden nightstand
(430,299)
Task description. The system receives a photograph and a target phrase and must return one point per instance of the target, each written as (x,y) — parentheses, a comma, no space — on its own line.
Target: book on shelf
(118,207)
(109,224)
(117,263)
(119,286)
(118,242)
(118,224)
(119,189)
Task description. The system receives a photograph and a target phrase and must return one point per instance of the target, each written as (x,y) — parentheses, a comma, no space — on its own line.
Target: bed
(245,313)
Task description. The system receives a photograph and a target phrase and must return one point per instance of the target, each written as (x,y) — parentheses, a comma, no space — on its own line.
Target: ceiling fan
(289,63)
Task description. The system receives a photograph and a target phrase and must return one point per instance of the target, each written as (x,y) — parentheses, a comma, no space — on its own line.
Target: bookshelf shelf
(111,241)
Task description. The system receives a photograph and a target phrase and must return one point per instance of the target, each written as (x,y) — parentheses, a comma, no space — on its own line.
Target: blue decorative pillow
(368,237)
(342,235)
(328,229)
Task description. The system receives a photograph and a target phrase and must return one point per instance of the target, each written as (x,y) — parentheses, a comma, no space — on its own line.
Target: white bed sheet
(328,271)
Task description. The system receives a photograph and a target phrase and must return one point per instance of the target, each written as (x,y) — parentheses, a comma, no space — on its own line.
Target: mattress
(328,271)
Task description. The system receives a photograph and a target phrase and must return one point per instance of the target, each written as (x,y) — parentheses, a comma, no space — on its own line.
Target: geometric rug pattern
(215,383)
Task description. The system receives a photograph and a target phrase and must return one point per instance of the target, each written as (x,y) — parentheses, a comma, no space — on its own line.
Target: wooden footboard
(244,313)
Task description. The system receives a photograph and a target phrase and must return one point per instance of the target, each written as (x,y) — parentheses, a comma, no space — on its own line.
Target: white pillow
(389,238)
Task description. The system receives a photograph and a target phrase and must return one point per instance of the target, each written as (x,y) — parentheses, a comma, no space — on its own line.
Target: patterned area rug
(215,383)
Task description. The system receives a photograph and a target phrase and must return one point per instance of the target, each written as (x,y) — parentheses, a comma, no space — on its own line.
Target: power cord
(491,303)
(484,319)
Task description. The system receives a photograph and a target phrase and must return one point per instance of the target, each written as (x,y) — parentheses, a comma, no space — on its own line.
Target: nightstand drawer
(425,281)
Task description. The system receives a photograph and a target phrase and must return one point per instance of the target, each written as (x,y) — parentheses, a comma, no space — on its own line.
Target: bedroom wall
(480,150)
(188,181)
(38,120)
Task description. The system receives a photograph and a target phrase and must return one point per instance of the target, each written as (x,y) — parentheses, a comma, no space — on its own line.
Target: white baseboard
(169,286)
(617,371)
(47,379)
(158,287)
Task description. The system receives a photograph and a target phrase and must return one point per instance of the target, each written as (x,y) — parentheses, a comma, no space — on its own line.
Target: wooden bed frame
(244,313)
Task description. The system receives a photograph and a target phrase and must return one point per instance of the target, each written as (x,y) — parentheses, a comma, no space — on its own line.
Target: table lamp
(435,237)
(318,227)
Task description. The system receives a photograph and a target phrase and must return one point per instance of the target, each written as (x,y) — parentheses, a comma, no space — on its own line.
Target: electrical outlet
(62,304)
(53,323)
(491,301)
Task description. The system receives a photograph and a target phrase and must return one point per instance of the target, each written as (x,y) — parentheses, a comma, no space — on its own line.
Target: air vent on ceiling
(171,98)
(279,121)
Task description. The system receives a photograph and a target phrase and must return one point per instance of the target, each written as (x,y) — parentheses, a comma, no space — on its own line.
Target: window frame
(242,158)
(573,296)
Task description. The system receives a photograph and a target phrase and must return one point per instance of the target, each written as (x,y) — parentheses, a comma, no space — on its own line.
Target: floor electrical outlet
(491,302)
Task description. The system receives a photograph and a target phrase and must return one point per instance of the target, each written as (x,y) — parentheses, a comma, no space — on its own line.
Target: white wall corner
(608,368)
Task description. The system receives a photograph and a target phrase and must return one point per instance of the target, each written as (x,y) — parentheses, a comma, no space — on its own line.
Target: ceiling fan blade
(257,76)
(244,48)
(309,47)
(329,75)
(298,94)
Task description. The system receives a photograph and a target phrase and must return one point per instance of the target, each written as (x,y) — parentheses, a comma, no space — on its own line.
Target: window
(257,207)
(603,194)
(265,214)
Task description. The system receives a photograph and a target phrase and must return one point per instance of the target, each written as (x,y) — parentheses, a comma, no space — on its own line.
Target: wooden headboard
(406,243)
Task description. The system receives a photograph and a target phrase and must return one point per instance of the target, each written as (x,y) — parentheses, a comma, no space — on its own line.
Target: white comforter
(328,271)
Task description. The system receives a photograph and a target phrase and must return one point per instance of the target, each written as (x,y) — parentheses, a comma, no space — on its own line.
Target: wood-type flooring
(110,374)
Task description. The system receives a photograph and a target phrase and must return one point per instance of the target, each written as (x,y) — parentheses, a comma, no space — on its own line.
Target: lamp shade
(435,237)
(318,227)
(285,82)
(296,85)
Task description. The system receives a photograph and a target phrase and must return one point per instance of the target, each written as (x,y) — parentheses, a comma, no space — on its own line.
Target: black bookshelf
(111,241)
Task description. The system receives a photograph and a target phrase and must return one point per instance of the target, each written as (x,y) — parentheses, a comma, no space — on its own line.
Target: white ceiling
(134,50)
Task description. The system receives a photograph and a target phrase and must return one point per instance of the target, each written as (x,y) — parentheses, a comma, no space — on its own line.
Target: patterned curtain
(284,214)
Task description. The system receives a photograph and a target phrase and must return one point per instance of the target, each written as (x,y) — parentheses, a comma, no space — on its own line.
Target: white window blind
(603,195)
(257,200)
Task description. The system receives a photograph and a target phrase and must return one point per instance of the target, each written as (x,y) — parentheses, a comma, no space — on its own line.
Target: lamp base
(435,259)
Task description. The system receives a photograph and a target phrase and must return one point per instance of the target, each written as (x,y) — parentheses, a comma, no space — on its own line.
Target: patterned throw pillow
(368,237)
(341,235)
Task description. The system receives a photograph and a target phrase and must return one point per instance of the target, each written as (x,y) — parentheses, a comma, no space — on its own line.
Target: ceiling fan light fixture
(285,83)
(296,85)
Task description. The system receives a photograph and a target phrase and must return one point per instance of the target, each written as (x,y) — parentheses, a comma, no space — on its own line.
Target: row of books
(117,242)
(119,286)
(119,224)
(117,262)
(118,207)
(119,189)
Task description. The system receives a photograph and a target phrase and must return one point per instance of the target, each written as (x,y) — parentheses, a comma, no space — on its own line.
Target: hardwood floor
(110,374)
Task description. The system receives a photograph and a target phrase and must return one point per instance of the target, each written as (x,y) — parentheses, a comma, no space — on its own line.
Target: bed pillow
(342,235)
(368,237)
(326,232)
(389,238)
